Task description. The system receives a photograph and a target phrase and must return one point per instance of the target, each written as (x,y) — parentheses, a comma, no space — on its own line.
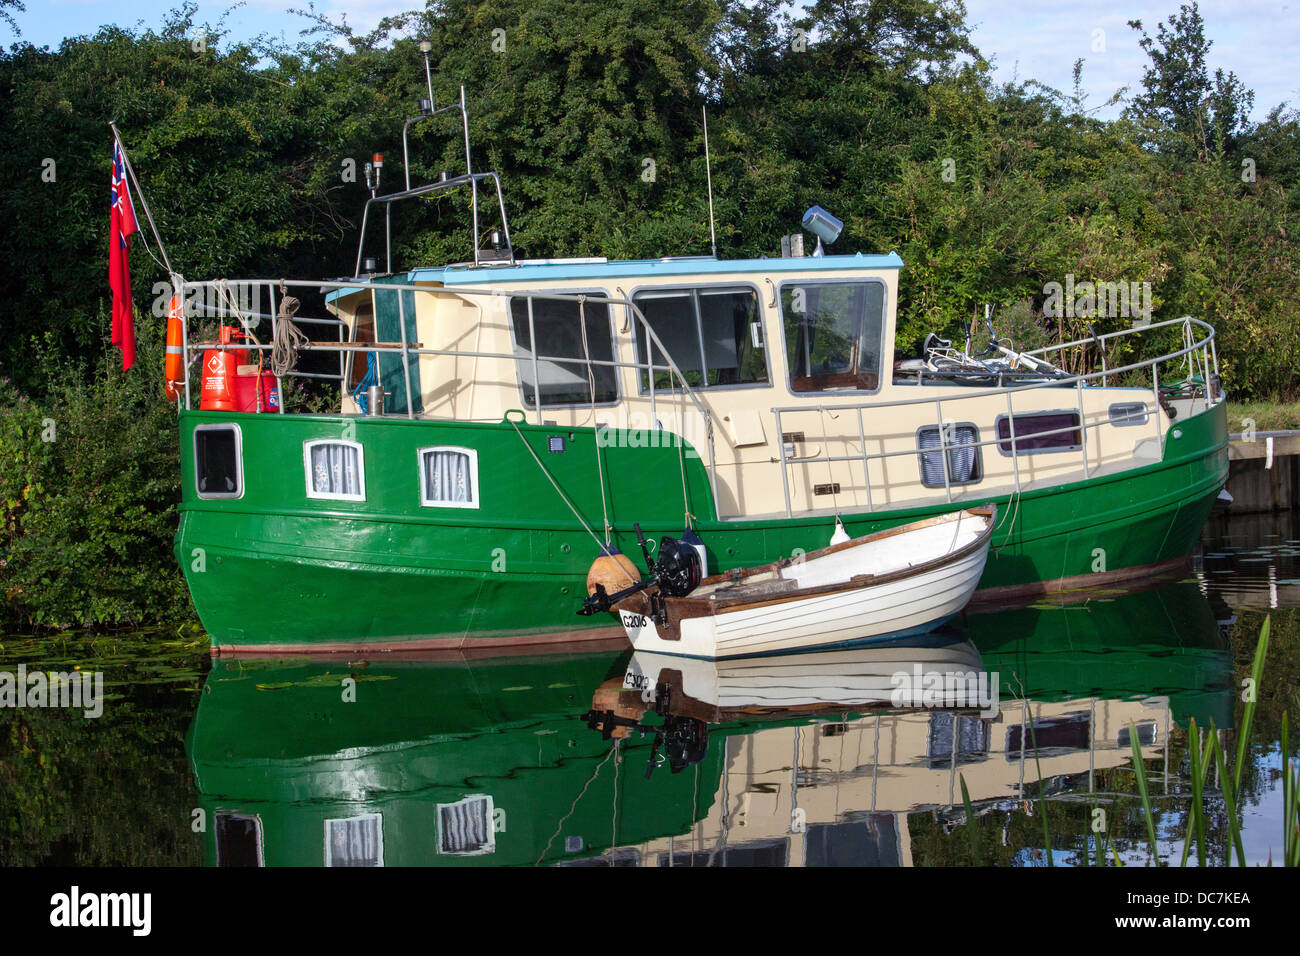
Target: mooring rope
(1015,497)
(560,491)
(595,773)
(687,517)
(591,381)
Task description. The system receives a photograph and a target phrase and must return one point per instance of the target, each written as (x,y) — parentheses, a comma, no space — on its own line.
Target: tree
(8,18)
(1178,95)
(914,38)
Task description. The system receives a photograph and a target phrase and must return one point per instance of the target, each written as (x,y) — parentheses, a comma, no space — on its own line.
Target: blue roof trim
(636,269)
(639,269)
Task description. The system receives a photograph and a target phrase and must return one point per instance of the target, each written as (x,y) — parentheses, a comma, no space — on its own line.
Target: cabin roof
(563,270)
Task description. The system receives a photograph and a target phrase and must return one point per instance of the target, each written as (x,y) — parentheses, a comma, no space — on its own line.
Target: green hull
(279,743)
(275,570)
(1164,641)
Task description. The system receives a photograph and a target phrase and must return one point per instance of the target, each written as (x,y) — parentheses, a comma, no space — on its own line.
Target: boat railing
(1196,353)
(228,301)
(502,252)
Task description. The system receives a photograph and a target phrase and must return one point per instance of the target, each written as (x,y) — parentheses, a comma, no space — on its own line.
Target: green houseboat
(502,422)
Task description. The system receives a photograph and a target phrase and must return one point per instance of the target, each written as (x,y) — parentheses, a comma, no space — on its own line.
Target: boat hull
(272,572)
(862,677)
(909,604)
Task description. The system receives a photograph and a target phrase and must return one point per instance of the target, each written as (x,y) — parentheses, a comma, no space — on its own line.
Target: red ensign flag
(121,224)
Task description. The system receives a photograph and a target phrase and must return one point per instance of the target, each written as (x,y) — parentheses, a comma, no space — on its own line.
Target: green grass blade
(970,820)
(1248,716)
(1042,807)
(1286,792)
(1194,753)
(1207,759)
(1229,800)
(1140,768)
(1290,811)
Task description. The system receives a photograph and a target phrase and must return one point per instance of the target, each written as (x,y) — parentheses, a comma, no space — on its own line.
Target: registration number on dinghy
(635,681)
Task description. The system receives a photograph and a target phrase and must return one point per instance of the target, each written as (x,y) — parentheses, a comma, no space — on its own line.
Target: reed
(1145,796)
(1290,808)
(970,820)
(1208,754)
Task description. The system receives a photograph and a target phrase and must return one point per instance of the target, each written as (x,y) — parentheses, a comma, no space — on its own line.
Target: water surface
(609,758)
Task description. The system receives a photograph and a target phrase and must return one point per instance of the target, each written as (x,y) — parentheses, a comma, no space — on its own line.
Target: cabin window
(759,853)
(566,365)
(967,736)
(860,839)
(1060,734)
(1147,735)
(714,335)
(355,841)
(965,464)
(1040,432)
(619,856)
(449,477)
(1128,413)
(239,840)
(834,334)
(465,828)
(218,463)
(335,470)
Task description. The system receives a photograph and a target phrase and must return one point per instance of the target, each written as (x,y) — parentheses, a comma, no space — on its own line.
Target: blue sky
(1037,39)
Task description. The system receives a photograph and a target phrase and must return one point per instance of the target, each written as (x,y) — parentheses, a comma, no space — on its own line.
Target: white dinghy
(885,586)
(778,686)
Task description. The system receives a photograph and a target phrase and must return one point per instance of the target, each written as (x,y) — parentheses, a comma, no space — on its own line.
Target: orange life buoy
(174,367)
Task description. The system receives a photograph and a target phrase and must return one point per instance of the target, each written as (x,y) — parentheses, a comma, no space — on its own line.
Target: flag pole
(117,138)
(176,280)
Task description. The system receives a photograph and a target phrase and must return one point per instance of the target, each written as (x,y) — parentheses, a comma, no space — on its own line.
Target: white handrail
(357,285)
(1205,345)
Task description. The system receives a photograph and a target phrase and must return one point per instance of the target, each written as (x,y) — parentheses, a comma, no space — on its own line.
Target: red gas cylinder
(219,373)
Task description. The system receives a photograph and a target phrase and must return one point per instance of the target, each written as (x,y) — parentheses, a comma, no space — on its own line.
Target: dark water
(607,758)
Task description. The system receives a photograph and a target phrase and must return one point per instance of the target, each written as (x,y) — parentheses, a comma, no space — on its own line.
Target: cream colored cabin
(836,418)
(854,786)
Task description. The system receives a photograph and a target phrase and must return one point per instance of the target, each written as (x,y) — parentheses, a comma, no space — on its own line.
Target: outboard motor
(676,573)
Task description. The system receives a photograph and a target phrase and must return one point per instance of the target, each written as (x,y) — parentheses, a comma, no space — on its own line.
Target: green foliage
(883,111)
(89,483)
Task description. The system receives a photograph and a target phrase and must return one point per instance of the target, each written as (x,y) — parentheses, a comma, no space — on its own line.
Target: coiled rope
(288,338)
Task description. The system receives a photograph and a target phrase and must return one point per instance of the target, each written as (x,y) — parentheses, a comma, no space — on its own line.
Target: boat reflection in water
(423,763)
(808,759)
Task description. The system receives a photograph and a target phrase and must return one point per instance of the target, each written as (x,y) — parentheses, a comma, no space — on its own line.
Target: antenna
(708,172)
(425,48)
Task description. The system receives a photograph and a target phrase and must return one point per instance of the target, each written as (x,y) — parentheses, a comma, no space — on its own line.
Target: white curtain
(336,469)
(354,842)
(961,456)
(448,477)
(465,826)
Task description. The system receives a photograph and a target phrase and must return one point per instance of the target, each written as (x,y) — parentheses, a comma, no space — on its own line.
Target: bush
(89,483)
